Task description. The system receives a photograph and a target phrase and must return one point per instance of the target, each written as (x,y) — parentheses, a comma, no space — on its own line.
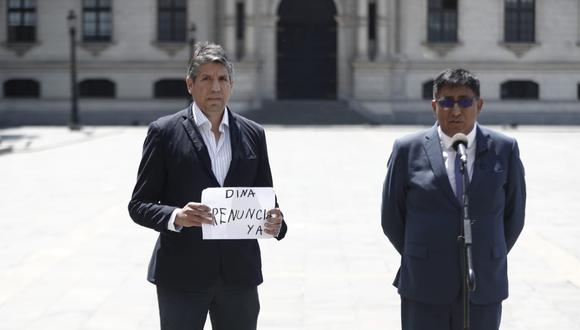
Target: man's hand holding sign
(193,215)
(273,222)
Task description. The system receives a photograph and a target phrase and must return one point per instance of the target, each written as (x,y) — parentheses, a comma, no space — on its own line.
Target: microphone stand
(465,239)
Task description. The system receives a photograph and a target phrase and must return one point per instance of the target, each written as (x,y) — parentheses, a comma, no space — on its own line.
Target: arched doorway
(306,49)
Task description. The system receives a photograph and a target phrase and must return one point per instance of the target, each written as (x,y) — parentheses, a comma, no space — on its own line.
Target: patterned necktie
(458,178)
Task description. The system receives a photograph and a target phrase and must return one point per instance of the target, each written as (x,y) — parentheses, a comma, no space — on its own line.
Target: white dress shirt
(220,151)
(449,154)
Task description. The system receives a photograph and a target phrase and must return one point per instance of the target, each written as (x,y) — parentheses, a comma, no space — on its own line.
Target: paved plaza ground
(71,258)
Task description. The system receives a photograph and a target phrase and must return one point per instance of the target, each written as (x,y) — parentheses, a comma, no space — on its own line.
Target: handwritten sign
(238,213)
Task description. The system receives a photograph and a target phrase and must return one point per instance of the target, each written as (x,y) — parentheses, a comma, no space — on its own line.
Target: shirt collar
(201,120)
(446,140)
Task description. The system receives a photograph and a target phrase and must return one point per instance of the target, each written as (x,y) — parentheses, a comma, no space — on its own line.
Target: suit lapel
(435,155)
(483,145)
(198,144)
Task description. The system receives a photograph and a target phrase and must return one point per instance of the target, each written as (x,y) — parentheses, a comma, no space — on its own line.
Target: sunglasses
(449,102)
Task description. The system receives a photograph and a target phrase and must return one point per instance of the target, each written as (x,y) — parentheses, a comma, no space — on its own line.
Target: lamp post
(192,29)
(72,29)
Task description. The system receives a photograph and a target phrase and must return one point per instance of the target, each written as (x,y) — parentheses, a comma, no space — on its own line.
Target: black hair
(456,77)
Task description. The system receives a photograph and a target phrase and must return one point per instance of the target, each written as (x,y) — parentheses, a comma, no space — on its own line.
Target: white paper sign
(238,212)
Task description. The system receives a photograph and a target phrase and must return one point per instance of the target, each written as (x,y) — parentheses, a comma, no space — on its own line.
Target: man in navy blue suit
(204,145)
(421,213)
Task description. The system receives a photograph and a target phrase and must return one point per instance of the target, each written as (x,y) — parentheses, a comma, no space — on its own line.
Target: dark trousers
(229,308)
(420,316)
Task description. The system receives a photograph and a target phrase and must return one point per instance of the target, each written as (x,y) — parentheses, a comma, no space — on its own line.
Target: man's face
(452,117)
(211,89)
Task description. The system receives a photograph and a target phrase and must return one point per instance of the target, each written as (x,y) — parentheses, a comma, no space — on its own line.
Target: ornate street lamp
(72,29)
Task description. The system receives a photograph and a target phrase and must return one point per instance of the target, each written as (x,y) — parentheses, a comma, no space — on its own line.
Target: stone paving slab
(72,258)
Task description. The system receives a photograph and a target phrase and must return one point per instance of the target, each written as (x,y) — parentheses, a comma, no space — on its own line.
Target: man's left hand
(274,222)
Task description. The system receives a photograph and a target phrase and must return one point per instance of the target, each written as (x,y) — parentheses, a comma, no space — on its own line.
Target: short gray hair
(206,52)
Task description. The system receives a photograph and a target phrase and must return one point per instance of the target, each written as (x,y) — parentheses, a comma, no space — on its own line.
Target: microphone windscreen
(457,139)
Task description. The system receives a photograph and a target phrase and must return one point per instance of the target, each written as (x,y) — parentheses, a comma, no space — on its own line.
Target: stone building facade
(379,56)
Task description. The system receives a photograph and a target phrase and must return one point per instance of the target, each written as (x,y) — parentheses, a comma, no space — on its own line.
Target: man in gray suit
(421,212)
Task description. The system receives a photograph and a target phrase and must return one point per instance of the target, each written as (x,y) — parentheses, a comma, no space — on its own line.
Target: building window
(428,90)
(21,88)
(21,20)
(240,28)
(102,88)
(442,21)
(171,20)
(171,89)
(97,20)
(520,21)
(520,90)
(372,29)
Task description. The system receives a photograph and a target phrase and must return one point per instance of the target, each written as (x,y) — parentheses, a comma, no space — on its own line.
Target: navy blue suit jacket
(421,216)
(174,169)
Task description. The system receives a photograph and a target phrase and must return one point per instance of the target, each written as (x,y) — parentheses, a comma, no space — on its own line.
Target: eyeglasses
(449,102)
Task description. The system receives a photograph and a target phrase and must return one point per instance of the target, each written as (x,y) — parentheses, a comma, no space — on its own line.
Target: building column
(230,28)
(382,30)
(268,56)
(362,28)
(393,22)
(250,30)
(578,24)
(345,51)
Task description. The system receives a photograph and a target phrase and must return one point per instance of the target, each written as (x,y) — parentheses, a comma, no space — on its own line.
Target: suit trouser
(230,307)
(420,316)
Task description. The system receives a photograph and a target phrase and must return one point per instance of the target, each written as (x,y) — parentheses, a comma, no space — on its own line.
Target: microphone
(459,144)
